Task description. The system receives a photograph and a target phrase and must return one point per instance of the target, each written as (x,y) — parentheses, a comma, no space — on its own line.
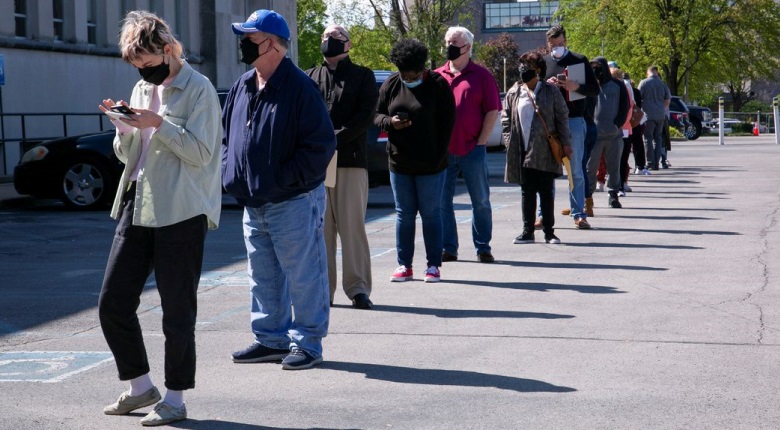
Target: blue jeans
(288,267)
(577,194)
(591,135)
(474,168)
(418,193)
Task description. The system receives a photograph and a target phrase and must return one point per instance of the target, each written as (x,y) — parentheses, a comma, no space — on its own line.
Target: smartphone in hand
(561,77)
(403,116)
(122,109)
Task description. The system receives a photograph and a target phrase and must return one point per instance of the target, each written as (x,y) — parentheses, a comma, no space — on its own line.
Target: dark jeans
(541,183)
(175,254)
(624,167)
(591,136)
(638,146)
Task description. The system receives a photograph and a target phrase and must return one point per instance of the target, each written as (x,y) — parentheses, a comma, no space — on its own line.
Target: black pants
(638,146)
(624,167)
(541,183)
(175,254)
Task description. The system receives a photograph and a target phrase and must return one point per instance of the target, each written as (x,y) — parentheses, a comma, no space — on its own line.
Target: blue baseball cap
(263,20)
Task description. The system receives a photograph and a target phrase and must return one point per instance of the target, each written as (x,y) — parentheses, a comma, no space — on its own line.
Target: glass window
(20,16)
(59,15)
(523,15)
(92,22)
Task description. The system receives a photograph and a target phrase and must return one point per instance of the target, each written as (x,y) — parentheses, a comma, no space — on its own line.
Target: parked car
(82,171)
(678,117)
(700,118)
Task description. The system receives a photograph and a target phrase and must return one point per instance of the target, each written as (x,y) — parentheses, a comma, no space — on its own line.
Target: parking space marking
(48,366)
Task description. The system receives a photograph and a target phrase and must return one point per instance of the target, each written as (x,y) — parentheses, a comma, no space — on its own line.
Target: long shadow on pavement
(540,265)
(409,375)
(463,313)
(228,425)
(630,245)
(541,287)
(664,231)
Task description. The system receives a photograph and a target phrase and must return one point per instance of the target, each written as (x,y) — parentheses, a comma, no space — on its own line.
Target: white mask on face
(558,51)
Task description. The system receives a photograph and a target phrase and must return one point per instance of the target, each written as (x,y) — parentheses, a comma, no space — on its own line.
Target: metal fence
(766,120)
(21,131)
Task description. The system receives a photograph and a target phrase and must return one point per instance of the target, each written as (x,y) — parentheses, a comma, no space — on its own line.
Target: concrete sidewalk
(665,316)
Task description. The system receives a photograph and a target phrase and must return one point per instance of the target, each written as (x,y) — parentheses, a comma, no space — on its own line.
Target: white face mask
(558,51)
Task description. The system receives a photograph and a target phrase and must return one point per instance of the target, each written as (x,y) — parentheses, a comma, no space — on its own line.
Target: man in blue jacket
(277,145)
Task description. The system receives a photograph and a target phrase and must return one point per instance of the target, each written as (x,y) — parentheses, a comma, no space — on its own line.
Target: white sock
(140,385)
(174,398)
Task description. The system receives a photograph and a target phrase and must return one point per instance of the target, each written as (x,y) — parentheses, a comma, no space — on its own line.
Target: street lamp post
(504,74)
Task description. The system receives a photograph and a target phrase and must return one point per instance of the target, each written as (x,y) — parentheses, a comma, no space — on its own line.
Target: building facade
(525,21)
(61,56)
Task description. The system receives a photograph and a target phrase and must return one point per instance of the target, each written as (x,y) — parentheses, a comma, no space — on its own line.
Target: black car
(700,118)
(679,114)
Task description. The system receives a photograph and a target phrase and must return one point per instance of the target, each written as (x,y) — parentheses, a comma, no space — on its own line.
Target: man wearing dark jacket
(278,141)
(610,115)
(561,61)
(350,94)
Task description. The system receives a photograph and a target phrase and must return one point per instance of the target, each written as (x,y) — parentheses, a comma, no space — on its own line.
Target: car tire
(693,131)
(87,184)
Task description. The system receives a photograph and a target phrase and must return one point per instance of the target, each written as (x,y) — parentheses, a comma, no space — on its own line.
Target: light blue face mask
(412,84)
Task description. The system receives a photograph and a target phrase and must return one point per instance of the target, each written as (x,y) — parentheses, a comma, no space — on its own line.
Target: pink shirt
(476,94)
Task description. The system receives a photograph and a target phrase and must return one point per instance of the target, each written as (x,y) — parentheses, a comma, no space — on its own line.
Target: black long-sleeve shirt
(590,88)
(420,149)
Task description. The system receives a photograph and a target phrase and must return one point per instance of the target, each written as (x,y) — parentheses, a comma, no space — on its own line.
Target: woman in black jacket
(532,107)
(416,108)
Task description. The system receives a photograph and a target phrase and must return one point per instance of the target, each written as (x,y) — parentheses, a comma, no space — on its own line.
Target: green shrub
(743,127)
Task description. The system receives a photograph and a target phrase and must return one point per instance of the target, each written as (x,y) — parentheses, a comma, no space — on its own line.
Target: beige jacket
(181,177)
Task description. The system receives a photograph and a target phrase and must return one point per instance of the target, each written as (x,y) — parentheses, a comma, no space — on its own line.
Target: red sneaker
(402,274)
(432,274)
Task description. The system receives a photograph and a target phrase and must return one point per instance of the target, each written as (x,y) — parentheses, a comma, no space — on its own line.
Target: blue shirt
(278,141)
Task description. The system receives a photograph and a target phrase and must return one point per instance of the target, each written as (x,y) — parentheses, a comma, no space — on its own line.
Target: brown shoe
(582,224)
(538,224)
(589,206)
(565,211)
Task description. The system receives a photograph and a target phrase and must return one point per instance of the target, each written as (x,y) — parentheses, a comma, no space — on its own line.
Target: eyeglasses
(335,34)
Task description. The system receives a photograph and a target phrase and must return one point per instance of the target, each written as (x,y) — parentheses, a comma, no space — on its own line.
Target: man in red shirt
(477,107)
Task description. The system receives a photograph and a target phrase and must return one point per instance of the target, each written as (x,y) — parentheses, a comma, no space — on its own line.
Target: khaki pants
(345,215)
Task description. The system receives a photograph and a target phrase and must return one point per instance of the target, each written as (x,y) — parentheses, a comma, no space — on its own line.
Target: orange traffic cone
(755,129)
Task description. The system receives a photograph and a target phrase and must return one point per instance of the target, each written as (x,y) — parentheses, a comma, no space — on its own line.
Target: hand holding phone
(561,77)
(122,109)
(403,116)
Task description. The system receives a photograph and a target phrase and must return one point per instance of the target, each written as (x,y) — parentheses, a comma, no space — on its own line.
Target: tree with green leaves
(687,39)
(500,55)
(311,23)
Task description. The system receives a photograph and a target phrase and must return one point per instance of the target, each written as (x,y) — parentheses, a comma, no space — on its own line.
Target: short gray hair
(461,31)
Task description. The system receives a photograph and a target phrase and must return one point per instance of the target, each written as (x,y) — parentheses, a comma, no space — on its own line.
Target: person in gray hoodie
(611,110)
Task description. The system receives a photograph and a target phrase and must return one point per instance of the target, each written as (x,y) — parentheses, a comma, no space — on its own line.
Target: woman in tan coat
(528,107)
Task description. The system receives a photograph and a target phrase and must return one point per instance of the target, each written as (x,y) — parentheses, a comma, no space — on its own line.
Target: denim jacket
(180,178)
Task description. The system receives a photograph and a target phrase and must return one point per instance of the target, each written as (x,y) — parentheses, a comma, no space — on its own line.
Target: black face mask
(527,75)
(453,52)
(155,75)
(248,51)
(332,47)
(599,72)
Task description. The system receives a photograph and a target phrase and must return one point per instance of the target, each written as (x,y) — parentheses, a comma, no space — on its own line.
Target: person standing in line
(557,62)
(532,108)
(278,142)
(611,112)
(656,99)
(417,110)
(350,94)
(169,195)
(477,107)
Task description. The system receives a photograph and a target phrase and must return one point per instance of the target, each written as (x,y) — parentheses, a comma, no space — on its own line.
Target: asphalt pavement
(664,316)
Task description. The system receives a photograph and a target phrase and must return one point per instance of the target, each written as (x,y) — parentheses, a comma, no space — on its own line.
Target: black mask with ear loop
(332,47)
(155,75)
(527,74)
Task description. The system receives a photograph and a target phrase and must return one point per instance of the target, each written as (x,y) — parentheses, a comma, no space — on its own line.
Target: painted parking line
(48,366)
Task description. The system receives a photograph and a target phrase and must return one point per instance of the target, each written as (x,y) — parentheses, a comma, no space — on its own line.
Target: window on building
(20,16)
(59,18)
(92,22)
(524,15)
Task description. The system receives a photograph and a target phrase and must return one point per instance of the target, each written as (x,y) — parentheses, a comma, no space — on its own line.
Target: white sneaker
(600,187)
(637,171)
(621,193)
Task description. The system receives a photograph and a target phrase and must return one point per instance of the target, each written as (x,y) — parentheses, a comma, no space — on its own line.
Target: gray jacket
(553,109)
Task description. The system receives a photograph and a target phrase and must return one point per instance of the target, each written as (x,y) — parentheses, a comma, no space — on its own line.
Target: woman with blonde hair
(168,197)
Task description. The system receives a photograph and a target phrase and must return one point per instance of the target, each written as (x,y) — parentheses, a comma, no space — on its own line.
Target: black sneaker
(485,257)
(613,200)
(446,256)
(257,353)
(551,239)
(299,359)
(526,237)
